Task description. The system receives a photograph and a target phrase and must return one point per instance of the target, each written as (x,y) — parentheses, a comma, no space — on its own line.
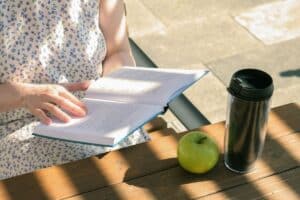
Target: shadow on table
(138,158)
(88,178)
(166,177)
(133,156)
(18,191)
(175,181)
(284,152)
(220,181)
(277,156)
(133,174)
(290,116)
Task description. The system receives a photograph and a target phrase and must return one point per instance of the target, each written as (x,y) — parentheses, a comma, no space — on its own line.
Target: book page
(143,85)
(106,122)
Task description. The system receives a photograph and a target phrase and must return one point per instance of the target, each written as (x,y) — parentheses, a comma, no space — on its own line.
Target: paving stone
(178,11)
(203,41)
(209,95)
(281,61)
(175,33)
(186,33)
(141,22)
(274,22)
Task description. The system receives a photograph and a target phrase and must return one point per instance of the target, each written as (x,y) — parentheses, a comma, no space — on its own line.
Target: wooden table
(151,171)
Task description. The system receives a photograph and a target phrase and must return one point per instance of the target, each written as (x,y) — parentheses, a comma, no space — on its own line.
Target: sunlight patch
(75,10)
(273,22)
(44,55)
(59,34)
(92,44)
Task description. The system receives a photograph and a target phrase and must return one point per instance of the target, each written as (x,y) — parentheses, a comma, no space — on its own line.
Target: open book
(121,103)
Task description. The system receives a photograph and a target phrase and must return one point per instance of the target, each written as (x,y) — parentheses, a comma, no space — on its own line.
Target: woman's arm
(113,26)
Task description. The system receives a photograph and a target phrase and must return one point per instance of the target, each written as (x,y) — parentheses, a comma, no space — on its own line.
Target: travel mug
(250,92)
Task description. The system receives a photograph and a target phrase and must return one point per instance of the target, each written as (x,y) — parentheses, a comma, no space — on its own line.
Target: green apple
(197,153)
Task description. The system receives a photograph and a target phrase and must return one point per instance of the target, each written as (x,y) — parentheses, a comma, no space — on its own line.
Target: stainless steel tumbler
(250,92)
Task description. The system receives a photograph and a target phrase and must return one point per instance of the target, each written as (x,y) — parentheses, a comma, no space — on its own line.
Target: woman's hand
(55,99)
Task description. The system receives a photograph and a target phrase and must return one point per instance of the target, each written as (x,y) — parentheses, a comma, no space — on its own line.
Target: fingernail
(49,121)
(82,112)
(85,109)
(83,106)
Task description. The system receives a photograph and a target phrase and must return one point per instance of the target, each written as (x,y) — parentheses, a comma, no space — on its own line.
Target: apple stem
(201,139)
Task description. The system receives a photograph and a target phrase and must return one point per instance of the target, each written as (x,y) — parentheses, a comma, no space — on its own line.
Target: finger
(66,101)
(42,116)
(70,107)
(57,112)
(81,86)
(73,99)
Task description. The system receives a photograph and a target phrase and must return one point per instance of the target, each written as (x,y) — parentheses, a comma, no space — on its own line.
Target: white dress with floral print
(47,41)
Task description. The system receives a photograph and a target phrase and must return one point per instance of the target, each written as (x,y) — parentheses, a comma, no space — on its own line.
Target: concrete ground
(222,36)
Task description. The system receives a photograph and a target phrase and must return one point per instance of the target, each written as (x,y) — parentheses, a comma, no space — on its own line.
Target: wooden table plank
(161,133)
(91,173)
(287,186)
(177,184)
(284,119)
(128,164)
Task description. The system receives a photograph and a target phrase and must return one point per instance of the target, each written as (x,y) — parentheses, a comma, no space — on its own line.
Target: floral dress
(47,41)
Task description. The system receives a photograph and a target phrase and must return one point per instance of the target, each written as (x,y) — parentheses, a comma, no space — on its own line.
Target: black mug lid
(251,85)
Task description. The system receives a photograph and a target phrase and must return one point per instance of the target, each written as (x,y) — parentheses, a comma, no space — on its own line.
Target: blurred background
(222,36)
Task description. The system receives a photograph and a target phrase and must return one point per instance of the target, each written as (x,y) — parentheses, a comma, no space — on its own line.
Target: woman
(48,50)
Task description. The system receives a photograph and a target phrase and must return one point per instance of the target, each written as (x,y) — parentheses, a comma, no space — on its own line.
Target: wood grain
(76,177)
(287,186)
(150,170)
(174,183)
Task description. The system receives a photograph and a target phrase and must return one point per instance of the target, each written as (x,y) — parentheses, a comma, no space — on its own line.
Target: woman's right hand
(55,99)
